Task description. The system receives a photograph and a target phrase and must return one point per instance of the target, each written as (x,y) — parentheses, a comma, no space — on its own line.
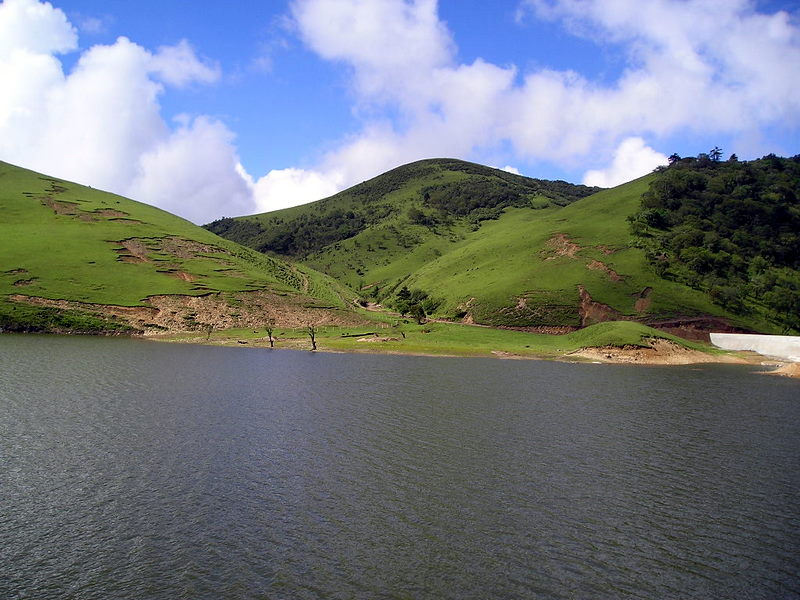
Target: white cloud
(20,18)
(191,170)
(281,188)
(91,25)
(392,45)
(178,65)
(632,158)
(101,124)
(694,66)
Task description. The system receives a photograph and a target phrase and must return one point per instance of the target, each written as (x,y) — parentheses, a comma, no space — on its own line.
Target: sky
(211,109)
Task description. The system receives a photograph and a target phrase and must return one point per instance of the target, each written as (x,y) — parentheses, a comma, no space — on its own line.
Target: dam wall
(786,347)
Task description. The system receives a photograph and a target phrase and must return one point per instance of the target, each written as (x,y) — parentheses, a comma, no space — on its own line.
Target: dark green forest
(729,228)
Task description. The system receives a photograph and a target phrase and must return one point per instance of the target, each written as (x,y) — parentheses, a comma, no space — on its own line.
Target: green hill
(73,258)
(470,243)
(427,198)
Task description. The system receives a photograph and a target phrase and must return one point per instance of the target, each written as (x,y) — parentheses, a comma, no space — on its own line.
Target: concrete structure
(785,347)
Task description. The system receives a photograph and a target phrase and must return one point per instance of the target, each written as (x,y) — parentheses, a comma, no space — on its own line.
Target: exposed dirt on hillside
(695,328)
(62,208)
(133,250)
(110,213)
(643,300)
(73,209)
(660,352)
(25,282)
(182,275)
(561,245)
(138,249)
(174,313)
(592,312)
(596,265)
(183,248)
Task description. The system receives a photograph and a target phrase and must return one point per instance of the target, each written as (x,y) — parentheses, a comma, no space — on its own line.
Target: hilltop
(462,242)
(77,259)
(430,196)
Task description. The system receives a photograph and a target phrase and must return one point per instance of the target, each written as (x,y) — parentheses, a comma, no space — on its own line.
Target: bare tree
(270,327)
(312,333)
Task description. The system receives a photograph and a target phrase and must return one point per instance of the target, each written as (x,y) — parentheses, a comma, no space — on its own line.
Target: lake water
(132,469)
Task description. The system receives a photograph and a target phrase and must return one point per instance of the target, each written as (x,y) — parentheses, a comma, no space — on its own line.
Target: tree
(270,327)
(715,154)
(674,157)
(418,312)
(312,333)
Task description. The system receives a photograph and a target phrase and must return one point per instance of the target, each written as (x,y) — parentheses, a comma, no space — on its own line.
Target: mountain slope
(387,227)
(535,263)
(72,257)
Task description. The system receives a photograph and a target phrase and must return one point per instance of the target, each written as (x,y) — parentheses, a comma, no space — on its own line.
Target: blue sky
(214,109)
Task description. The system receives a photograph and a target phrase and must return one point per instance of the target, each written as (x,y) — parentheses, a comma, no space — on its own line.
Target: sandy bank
(661,352)
(787,370)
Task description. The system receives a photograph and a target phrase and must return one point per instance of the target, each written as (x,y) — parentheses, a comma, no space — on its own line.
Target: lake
(134,469)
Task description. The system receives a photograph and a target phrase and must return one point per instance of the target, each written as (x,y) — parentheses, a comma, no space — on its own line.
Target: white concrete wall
(786,347)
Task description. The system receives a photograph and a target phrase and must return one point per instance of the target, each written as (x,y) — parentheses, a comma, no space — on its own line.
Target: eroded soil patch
(175,313)
(596,312)
(25,282)
(660,352)
(596,265)
(560,245)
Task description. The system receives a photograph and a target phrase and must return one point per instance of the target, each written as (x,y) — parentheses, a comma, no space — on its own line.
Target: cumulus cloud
(632,158)
(391,45)
(693,67)
(19,18)
(178,65)
(282,188)
(101,123)
(192,171)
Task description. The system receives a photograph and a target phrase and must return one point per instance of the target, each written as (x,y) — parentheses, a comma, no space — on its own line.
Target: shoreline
(662,352)
(665,353)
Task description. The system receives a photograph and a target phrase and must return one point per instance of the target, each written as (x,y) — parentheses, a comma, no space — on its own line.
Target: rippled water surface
(131,469)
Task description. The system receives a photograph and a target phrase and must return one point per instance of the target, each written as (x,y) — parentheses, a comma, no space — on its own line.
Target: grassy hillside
(535,260)
(568,267)
(66,250)
(407,206)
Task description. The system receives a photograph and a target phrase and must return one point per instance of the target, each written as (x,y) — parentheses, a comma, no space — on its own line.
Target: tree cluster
(730,228)
(415,303)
